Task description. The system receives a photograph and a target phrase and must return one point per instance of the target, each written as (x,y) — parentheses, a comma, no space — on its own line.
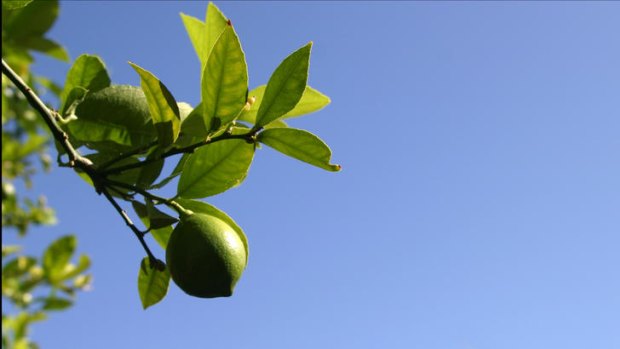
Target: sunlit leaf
(285,87)
(214,168)
(224,81)
(300,144)
(162,105)
(87,72)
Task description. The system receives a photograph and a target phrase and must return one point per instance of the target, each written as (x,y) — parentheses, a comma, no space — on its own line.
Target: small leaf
(162,105)
(204,35)
(57,256)
(56,303)
(310,102)
(224,81)
(299,144)
(214,168)
(157,218)
(196,31)
(161,235)
(87,72)
(203,207)
(285,87)
(152,283)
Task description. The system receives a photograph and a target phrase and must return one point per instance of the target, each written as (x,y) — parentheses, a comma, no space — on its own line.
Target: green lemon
(205,256)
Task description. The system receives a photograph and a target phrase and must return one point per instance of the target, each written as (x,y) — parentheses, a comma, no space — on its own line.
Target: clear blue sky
(478,206)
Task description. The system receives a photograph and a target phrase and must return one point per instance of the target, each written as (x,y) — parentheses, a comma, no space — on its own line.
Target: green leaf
(87,72)
(56,303)
(161,235)
(48,47)
(196,31)
(152,283)
(310,102)
(157,218)
(14,4)
(203,35)
(300,144)
(31,21)
(150,172)
(162,105)
(215,168)
(75,270)
(115,118)
(224,81)
(285,87)
(57,256)
(194,124)
(215,23)
(203,207)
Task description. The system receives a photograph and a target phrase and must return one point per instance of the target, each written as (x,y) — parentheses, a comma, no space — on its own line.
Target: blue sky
(478,203)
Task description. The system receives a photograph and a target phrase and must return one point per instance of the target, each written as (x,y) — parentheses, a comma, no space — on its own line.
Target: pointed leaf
(224,81)
(215,168)
(162,105)
(300,144)
(285,87)
(310,102)
(152,283)
(161,235)
(215,23)
(196,31)
(203,207)
(87,72)
(203,35)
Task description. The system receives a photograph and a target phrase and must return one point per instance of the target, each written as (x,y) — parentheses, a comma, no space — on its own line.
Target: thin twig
(139,234)
(189,149)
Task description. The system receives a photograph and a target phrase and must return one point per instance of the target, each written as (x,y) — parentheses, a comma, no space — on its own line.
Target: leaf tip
(335,168)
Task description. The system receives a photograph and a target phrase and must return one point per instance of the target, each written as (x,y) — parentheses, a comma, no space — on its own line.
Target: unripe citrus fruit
(205,256)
